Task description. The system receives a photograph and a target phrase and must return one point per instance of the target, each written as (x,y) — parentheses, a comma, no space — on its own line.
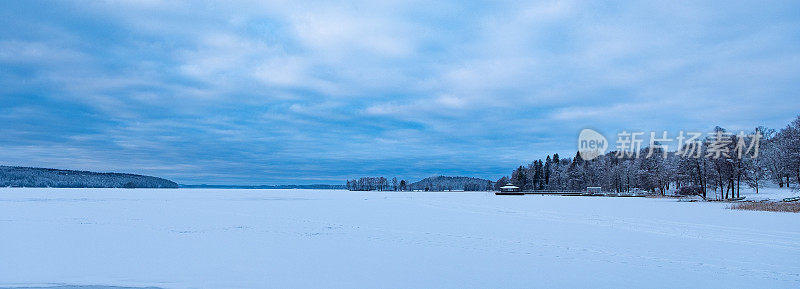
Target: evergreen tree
(547,164)
(538,175)
(519,178)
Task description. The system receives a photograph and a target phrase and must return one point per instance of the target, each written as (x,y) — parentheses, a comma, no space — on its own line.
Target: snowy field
(197,238)
(771,193)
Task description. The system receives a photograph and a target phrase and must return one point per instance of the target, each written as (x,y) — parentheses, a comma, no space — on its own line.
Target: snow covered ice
(198,238)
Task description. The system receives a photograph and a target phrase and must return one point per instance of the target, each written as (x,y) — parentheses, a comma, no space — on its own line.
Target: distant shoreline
(266,187)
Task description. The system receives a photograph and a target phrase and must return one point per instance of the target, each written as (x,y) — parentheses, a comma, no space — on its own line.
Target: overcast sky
(317,92)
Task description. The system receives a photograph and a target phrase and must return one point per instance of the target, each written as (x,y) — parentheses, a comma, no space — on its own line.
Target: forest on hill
(11,176)
(445,183)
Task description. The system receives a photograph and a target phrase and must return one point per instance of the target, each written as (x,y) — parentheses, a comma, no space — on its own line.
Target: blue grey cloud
(255,92)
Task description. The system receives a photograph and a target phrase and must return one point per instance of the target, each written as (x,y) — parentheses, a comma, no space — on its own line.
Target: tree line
(437,183)
(376,184)
(776,159)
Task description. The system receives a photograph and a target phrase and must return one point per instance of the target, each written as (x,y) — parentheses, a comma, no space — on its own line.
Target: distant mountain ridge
(11,176)
(445,183)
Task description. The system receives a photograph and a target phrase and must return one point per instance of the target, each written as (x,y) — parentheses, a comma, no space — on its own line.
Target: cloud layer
(317,92)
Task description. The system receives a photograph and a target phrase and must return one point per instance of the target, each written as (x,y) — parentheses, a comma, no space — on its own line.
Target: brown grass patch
(791,207)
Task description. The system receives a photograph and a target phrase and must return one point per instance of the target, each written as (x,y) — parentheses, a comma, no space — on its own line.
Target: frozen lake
(197,238)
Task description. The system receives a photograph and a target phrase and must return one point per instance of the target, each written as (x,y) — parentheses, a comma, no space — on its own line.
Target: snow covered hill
(55,178)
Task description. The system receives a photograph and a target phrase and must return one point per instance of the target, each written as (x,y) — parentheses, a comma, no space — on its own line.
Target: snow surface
(775,194)
(199,238)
